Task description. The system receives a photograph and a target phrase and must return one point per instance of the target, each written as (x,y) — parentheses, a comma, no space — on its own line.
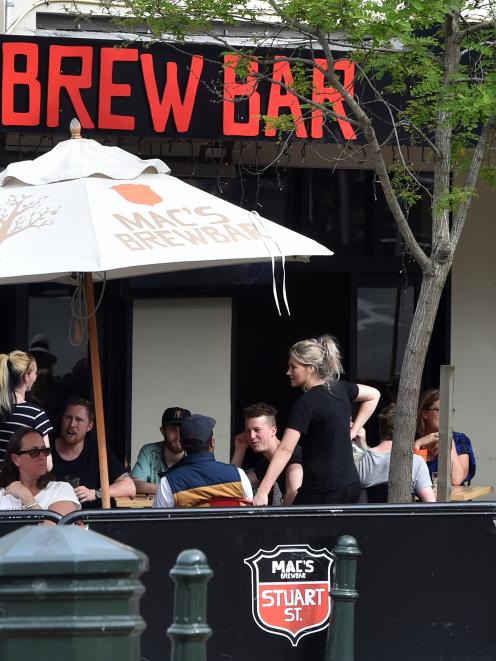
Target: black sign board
(426,579)
(157,90)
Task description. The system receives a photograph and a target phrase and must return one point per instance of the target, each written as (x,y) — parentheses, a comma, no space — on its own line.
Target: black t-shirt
(323,419)
(262,464)
(86,467)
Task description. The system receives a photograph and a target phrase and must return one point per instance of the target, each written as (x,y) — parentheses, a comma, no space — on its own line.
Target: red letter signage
(278,99)
(321,94)
(12,77)
(109,89)
(160,109)
(73,84)
(232,90)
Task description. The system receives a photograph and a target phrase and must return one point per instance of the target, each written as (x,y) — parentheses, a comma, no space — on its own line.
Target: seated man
(75,457)
(373,467)
(198,479)
(155,459)
(261,436)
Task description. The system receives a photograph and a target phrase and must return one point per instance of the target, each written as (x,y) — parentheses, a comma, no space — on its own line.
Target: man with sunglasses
(75,458)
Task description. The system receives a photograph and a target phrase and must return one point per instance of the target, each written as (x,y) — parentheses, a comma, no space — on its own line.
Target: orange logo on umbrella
(138,194)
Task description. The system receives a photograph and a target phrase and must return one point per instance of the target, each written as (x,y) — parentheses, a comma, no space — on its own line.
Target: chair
(227,502)
(377,493)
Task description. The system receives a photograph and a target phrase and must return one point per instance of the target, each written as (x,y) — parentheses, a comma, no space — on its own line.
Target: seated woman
(373,468)
(25,482)
(462,455)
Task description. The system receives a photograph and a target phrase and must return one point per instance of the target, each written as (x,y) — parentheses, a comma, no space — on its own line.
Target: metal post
(189,632)
(68,594)
(341,634)
(446,384)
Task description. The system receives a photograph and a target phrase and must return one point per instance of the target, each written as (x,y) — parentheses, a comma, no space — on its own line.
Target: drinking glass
(434,481)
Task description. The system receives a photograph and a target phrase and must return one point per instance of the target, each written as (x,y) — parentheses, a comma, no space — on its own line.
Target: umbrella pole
(96,376)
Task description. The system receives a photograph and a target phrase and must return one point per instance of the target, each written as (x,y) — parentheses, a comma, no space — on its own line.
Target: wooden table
(136,502)
(458,494)
(469,493)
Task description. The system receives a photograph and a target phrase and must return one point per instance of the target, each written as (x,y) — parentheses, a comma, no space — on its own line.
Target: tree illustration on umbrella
(22,213)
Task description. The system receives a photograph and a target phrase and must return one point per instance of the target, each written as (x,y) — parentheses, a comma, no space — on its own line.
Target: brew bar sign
(291,590)
(157,91)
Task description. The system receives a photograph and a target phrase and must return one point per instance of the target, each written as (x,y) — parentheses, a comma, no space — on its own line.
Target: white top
(373,469)
(164,497)
(54,492)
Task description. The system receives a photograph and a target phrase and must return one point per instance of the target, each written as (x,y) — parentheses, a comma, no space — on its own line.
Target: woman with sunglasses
(18,373)
(25,482)
(462,455)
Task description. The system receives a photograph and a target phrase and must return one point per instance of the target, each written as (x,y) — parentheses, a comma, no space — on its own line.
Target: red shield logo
(291,590)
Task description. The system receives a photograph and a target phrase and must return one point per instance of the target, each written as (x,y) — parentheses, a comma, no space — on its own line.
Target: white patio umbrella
(86,208)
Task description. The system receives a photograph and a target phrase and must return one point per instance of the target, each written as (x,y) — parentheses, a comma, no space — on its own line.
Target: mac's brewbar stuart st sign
(291,590)
(156,91)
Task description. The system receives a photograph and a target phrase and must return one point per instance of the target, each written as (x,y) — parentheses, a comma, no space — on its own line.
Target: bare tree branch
(443,139)
(378,158)
(388,106)
(476,27)
(461,213)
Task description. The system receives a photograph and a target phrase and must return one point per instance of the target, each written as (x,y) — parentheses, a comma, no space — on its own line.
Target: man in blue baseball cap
(198,480)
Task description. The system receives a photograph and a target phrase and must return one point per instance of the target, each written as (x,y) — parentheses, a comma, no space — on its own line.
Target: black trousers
(349,494)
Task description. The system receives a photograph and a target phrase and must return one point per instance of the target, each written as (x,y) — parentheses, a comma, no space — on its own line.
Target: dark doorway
(319,302)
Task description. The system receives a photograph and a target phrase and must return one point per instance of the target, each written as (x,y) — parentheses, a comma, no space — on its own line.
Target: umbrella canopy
(87,208)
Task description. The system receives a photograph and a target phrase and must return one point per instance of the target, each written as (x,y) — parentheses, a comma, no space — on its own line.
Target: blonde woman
(18,373)
(320,421)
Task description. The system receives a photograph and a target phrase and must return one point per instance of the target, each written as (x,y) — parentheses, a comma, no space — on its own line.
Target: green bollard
(69,594)
(189,632)
(341,634)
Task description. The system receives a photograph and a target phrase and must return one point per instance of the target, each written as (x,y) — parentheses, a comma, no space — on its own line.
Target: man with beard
(75,457)
(155,459)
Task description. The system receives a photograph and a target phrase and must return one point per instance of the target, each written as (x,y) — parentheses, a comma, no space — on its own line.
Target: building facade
(212,341)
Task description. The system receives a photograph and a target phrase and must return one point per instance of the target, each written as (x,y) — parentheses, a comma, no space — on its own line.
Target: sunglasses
(34,453)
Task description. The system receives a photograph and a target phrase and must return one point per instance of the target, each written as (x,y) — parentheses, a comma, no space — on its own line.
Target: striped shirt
(24,414)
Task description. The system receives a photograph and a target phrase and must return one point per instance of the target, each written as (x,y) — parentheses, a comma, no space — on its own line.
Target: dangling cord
(78,327)
(284,293)
(258,222)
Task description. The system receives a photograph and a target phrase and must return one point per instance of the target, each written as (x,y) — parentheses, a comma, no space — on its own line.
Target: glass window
(51,316)
(384,317)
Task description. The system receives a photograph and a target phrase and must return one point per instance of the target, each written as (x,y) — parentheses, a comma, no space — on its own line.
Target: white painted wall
(473,327)
(181,357)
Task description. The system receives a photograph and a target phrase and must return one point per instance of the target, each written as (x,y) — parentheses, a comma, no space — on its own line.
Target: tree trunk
(400,473)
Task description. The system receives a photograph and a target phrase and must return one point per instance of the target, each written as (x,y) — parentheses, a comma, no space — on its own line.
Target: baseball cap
(197,427)
(174,415)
